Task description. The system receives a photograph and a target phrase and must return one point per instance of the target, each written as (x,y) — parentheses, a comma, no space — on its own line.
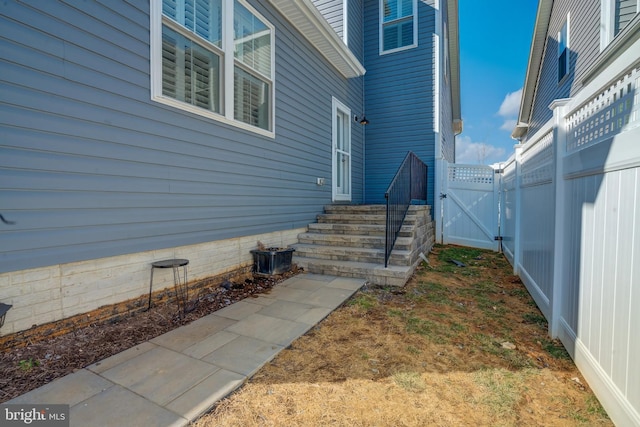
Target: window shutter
(397,24)
(169,63)
(170,8)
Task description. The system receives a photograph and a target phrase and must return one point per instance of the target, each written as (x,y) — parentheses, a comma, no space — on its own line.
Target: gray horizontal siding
(399,100)
(332,10)
(584,29)
(625,11)
(91,167)
(355,28)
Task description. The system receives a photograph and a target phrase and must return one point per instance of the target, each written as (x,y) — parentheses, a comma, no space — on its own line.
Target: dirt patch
(456,346)
(51,351)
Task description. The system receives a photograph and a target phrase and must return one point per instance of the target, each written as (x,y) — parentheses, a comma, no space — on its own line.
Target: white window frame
(567,47)
(608,21)
(337,106)
(381,29)
(227,65)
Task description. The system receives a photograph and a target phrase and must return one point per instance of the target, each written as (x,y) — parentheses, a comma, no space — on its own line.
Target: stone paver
(119,407)
(270,329)
(203,396)
(72,389)
(286,310)
(243,355)
(160,374)
(193,333)
(176,377)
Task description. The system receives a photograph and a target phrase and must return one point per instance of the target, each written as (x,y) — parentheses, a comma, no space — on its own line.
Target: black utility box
(272,261)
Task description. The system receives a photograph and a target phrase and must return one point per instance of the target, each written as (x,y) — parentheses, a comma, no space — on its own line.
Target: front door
(341,151)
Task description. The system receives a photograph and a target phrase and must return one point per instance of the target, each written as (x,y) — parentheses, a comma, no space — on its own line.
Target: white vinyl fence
(570,223)
(470,206)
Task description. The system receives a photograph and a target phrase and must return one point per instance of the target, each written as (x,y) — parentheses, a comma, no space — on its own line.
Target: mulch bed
(42,361)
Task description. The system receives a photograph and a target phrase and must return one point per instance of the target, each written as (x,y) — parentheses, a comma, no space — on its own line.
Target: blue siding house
(135,131)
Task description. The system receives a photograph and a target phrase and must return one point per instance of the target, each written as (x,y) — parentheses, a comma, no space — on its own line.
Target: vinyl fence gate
(470,206)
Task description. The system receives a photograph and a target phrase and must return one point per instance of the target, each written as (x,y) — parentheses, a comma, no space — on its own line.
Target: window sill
(186,108)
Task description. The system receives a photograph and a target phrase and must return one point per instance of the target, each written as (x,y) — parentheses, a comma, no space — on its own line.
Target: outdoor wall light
(363,121)
(3,312)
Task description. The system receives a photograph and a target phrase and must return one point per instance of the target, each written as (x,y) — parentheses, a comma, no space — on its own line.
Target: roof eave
(454,60)
(520,131)
(305,17)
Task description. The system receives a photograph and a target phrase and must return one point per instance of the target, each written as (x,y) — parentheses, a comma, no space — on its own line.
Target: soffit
(454,59)
(304,16)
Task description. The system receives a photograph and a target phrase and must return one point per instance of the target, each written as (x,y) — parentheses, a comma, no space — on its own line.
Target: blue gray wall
(90,167)
(399,101)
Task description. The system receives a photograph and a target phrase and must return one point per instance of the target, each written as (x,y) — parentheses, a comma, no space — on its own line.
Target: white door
(341,151)
(470,208)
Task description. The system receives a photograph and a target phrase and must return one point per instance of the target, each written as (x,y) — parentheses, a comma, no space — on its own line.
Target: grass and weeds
(455,346)
(27,365)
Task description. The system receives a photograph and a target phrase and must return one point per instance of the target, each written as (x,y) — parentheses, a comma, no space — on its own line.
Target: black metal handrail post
(409,183)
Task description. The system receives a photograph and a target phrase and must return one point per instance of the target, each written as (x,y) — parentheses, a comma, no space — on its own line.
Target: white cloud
(470,152)
(509,125)
(509,110)
(511,105)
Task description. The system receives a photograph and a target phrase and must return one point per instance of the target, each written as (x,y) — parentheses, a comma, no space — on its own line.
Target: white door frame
(341,151)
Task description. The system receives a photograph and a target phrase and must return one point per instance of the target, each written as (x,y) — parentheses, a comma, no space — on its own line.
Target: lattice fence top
(615,109)
(471,174)
(537,162)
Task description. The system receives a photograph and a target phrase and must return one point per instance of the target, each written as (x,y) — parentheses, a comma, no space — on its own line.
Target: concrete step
(342,253)
(356,229)
(356,209)
(368,209)
(343,218)
(374,273)
(350,240)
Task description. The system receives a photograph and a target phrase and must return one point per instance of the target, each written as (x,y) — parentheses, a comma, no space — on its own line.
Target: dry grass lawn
(457,346)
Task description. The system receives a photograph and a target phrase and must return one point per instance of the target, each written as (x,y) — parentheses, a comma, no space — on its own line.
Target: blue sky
(495,38)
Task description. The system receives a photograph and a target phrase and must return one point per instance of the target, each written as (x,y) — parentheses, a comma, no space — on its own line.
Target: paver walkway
(174,378)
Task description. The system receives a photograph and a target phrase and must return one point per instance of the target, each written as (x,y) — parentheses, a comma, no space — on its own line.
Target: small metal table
(182,291)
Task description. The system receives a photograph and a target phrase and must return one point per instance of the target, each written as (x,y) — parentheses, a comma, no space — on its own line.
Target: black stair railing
(409,183)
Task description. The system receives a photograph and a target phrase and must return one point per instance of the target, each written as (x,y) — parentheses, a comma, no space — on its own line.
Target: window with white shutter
(221,69)
(564,59)
(398,26)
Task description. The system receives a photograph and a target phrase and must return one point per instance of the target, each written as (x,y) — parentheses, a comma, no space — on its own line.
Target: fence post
(440,165)
(559,264)
(517,251)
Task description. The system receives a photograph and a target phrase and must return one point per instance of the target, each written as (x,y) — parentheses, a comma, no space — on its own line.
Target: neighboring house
(571,193)
(137,131)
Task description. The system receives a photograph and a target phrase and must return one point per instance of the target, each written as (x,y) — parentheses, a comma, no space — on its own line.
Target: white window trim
(607,25)
(567,22)
(381,32)
(336,106)
(227,75)
(607,21)
(345,22)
